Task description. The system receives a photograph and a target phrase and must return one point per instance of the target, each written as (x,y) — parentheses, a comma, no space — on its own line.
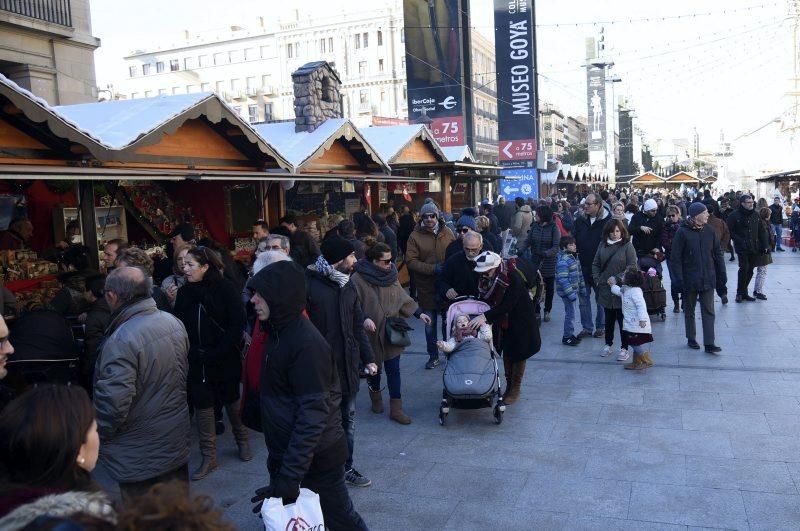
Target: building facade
(575,131)
(551,130)
(251,67)
(47,47)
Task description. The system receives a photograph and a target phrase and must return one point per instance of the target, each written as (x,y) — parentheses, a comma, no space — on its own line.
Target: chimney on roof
(317,95)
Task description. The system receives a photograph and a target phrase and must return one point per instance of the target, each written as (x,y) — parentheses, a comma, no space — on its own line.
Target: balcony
(51,11)
(485,140)
(486,114)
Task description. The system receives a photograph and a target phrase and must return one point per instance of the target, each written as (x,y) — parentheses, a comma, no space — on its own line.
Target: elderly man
(276,242)
(588,233)
(698,267)
(140,388)
(458,277)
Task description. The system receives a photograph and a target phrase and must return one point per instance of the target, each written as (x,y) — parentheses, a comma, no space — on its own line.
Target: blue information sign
(521,182)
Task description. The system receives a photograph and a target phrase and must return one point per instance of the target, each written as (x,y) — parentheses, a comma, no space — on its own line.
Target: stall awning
(782,176)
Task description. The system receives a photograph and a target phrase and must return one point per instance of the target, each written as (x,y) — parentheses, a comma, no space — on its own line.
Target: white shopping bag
(303,515)
(509,244)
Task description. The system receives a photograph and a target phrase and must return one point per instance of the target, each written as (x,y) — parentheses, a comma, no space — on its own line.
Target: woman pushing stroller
(514,326)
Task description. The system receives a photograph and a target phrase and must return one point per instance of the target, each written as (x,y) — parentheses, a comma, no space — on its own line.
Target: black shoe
(570,341)
(738,298)
(713,349)
(724,299)
(732,259)
(677,309)
(353,478)
(748,298)
(219,427)
(693,344)
(781,250)
(432,362)
(760,296)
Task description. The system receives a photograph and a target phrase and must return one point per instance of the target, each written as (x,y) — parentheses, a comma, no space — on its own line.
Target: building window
(146,69)
(160,67)
(268,112)
(403,35)
(250,54)
(362,68)
(252,113)
(134,95)
(188,63)
(290,50)
(236,56)
(322,46)
(358,40)
(148,93)
(220,87)
(251,84)
(236,85)
(238,110)
(174,65)
(133,70)
(222,58)
(383,96)
(330,44)
(264,80)
(176,90)
(203,61)
(380,65)
(191,88)
(162,92)
(205,87)
(363,97)
(366,40)
(264,52)
(405,93)
(380,38)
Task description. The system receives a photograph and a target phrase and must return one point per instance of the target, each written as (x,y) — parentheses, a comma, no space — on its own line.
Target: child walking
(635,320)
(569,284)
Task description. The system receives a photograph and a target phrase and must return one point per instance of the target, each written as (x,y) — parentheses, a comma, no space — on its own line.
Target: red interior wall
(207,200)
(41,203)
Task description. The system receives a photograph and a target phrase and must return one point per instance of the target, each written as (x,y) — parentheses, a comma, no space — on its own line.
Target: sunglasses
(387,261)
(464,230)
(428,216)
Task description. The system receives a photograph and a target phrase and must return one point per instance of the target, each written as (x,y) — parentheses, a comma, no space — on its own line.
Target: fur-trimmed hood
(96,504)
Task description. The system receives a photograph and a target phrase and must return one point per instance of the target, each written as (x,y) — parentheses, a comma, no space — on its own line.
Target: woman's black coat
(521,339)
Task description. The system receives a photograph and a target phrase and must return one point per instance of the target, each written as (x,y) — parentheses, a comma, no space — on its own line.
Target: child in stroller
(462,331)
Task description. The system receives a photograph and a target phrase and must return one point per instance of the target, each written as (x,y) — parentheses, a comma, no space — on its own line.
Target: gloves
(282,487)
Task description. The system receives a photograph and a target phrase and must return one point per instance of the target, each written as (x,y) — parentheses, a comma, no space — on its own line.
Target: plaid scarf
(324,268)
(492,290)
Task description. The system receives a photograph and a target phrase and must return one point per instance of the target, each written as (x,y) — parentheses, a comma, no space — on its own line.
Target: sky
(715,65)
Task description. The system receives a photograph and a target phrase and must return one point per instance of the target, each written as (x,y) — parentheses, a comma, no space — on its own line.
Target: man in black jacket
(588,233)
(698,267)
(98,316)
(504,213)
(388,234)
(300,397)
(750,238)
(333,306)
(458,277)
(645,228)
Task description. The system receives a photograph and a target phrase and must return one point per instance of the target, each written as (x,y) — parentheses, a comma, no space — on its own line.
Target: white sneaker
(624,355)
(606,351)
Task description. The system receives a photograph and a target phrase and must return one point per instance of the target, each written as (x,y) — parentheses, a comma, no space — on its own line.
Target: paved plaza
(697,441)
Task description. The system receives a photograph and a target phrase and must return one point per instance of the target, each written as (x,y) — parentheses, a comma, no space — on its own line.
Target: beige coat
(424,251)
(379,303)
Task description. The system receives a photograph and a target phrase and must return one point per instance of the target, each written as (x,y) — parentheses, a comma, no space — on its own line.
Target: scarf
(375,275)
(492,290)
(322,267)
(609,241)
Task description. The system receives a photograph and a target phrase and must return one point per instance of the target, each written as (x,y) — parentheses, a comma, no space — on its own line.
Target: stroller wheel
(498,415)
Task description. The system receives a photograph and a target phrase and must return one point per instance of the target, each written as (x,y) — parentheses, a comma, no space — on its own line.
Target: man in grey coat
(140,388)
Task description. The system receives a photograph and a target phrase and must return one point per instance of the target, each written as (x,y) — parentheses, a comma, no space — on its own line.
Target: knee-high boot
(208,443)
(239,431)
(512,395)
(509,370)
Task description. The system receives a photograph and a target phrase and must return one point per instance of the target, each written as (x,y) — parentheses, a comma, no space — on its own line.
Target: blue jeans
(392,369)
(778,232)
(430,332)
(569,316)
(585,304)
(348,408)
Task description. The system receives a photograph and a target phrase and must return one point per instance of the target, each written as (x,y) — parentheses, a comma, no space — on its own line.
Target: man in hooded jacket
(300,400)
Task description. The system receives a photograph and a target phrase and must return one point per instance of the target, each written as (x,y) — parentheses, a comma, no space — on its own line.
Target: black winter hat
(185,230)
(336,249)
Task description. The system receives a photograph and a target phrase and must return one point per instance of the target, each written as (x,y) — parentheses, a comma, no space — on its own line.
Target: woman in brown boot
(382,298)
(514,325)
(211,309)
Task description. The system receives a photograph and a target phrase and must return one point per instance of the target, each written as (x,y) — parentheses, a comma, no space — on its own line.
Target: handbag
(305,513)
(397,332)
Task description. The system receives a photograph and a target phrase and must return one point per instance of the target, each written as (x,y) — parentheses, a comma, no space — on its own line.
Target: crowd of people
(282,347)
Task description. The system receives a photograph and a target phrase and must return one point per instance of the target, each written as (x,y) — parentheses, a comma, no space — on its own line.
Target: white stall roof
(458,154)
(389,141)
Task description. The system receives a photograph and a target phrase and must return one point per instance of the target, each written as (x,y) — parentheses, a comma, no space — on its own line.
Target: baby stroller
(655,296)
(471,377)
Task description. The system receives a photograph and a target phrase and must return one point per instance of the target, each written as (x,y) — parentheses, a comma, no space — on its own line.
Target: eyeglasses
(428,216)
(464,230)
(386,262)
(467,250)
(587,203)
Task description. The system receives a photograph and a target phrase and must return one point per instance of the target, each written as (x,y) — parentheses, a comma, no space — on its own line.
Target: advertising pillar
(517,105)
(596,98)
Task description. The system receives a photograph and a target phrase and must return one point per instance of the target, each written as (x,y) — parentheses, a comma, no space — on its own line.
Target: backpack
(560,225)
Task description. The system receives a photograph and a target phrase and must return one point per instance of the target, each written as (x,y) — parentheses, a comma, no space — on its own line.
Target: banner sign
(596,98)
(515,42)
(433,68)
(522,183)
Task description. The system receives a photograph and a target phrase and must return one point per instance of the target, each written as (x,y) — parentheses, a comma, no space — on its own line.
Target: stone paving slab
(698,441)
